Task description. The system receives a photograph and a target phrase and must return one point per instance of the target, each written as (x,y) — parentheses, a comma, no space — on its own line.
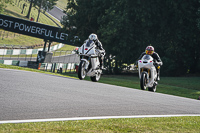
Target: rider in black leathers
(158,62)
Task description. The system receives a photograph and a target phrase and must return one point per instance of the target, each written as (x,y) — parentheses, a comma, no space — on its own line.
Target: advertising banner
(33,29)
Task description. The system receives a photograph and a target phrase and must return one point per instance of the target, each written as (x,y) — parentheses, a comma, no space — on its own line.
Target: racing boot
(158,75)
(158,78)
(101,64)
(155,83)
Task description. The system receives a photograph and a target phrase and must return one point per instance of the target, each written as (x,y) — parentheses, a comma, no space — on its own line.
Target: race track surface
(57,13)
(30,95)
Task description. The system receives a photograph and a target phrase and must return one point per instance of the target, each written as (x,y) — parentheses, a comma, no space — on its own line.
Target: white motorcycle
(147,73)
(89,64)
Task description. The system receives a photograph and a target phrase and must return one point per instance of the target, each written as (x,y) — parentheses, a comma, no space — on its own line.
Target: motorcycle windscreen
(146,57)
(89,43)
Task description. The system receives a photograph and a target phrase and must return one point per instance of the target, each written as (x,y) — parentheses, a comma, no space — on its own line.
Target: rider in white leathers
(93,37)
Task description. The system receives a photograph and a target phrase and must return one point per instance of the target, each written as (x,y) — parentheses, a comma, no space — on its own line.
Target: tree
(82,18)
(170,26)
(3,5)
(127,27)
(46,5)
(30,7)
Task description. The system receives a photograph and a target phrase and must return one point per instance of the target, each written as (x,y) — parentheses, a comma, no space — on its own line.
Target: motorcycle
(89,64)
(147,73)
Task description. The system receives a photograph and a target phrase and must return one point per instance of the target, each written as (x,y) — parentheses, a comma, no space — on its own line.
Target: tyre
(143,81)
(96,78)
(153,89)
(81,70)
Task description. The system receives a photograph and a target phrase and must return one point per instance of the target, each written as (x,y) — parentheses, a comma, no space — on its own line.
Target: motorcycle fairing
(89,55)
(88,48)
(146,63)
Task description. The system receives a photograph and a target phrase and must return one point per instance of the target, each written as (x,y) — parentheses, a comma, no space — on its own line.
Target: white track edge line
(92,118)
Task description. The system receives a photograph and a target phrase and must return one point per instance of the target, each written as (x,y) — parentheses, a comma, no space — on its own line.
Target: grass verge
(62,4)
(179,86)
(136,125)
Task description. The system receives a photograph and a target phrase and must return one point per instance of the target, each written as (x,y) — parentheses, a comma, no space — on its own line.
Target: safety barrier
(27,51)
(42,66)
(14,62)
(61,67)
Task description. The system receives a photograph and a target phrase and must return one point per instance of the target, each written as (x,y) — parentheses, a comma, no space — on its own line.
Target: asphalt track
(29,95)
(57,13)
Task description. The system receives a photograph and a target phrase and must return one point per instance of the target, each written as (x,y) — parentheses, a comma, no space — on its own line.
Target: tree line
(44,5)
(126,27)
(3,5)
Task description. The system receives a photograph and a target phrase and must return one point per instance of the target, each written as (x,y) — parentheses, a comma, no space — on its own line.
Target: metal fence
(61,61)
(58,56)
(23,56)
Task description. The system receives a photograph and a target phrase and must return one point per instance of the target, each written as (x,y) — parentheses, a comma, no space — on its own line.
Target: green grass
(179,86)
(62,4)
(134,125)
(15,10)
(23,40)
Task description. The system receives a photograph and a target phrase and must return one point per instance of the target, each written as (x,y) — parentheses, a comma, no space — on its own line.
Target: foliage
(127,27)
(44,4)
(61,4)
(10,38)
(3,5)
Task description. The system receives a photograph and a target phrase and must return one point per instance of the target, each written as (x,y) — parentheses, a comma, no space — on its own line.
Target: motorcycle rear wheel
(81,70)
(143,81)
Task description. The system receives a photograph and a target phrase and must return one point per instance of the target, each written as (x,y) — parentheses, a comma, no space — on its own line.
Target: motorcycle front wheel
(81,70)
(96,77)
(153,89)
(143,81)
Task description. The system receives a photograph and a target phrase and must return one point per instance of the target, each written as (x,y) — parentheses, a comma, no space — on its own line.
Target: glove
(103,53)
(156,64)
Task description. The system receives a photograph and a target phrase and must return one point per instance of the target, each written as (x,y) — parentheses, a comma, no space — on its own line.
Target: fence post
(25,57)
(4,51)
(31,57)
(54,67)
(46,67)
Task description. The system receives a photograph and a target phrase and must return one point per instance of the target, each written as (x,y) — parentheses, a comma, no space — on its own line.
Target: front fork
(86,63)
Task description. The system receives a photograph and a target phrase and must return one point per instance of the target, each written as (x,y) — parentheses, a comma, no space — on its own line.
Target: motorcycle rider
(93,37)
(157,60)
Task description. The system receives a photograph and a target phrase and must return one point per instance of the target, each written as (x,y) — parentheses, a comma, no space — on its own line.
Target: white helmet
(93,37)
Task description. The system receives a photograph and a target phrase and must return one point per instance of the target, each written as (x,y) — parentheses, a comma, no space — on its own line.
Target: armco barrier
(14,62)
(28,51)
(42,66)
